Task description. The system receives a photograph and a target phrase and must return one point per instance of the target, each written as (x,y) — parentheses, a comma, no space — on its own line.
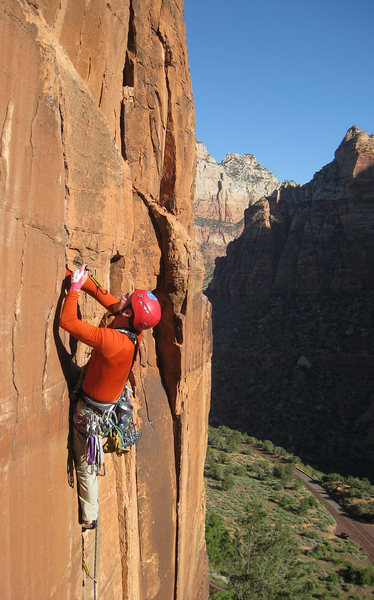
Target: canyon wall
(293,317)
(97,158)
(223,191)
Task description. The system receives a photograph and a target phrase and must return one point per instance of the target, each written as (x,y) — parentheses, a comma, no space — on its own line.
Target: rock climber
(107,370)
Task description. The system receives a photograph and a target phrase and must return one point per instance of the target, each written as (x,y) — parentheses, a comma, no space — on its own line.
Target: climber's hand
(79,277)
(124,300)
(121,305)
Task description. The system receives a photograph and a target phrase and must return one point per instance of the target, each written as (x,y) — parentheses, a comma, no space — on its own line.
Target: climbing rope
(95,562)
(84,564)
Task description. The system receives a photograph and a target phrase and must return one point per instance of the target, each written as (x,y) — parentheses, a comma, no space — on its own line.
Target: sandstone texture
(295,291)
(97,158)
(223,192)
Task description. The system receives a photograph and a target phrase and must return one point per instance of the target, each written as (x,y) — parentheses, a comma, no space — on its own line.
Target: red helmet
(147,309)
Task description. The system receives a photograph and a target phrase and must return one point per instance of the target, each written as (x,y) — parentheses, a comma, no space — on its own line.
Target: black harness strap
(134,338)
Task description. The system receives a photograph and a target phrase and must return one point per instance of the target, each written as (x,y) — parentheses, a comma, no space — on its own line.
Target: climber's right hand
(79,278)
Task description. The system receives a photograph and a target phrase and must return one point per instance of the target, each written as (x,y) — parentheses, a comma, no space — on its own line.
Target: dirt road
(361,533)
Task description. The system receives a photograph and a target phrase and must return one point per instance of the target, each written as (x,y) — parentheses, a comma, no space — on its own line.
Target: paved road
(361,533)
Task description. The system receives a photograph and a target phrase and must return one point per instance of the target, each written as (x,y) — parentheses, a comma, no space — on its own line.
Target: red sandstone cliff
(222,193)
(298,284)
(308,238)
(97,157)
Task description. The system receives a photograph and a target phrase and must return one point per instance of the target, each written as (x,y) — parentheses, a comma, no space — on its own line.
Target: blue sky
(281,79)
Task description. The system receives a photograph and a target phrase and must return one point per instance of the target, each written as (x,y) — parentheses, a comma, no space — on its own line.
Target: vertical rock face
(223,192)
(298,284)
(97,158)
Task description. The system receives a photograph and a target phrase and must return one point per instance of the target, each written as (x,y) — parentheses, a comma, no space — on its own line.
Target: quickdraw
(78,262)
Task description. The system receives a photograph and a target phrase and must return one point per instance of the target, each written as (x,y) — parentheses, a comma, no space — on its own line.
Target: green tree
(265,563)
(218,542)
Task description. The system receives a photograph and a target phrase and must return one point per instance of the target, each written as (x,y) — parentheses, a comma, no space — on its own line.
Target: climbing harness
(113,421)
(78,262)
(84,564)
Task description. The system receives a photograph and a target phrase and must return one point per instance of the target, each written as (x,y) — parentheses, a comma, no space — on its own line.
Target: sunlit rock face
(223,192)
(97,158)
(298,283)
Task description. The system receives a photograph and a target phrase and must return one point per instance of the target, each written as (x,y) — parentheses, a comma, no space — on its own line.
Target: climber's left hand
(79,277)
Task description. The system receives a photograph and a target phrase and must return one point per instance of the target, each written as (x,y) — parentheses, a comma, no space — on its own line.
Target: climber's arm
(100,338)
(99,293)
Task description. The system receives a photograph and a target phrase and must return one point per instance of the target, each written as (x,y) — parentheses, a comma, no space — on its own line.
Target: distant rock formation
(223,192)
(299,283)
(97,158)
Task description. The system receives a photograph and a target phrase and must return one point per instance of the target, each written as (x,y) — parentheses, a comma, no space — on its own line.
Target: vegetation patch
(356,495)
(268,537)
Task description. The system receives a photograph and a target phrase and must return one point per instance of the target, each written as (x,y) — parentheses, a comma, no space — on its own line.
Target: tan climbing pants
(87,479)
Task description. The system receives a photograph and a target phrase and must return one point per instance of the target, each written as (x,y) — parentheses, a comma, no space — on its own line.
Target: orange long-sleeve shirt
(111,360)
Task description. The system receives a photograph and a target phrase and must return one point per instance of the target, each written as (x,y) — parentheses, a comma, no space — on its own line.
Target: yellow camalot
(115,443)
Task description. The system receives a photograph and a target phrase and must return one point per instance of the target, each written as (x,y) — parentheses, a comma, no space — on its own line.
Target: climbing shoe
(90,526)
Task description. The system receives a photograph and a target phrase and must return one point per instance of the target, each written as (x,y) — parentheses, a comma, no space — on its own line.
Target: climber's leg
(87,480)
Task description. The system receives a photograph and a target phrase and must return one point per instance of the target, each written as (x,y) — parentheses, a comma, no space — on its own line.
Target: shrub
(285,473)
(358,575)
(275,497)
(303,507)
(333,578)
(215,439)
(268,446)
(288,502)
(232,444)
(216,472)
(239,470)
(222,596)
(222,457)
(364,510)
(228,482)
(322,550)
(333,477)
(312,501)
